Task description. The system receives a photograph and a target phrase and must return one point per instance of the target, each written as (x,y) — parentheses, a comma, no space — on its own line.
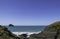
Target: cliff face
(6,34)
(50,32)
(53,27)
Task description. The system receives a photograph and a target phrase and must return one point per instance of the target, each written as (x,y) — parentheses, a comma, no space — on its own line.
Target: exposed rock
(23,36)
(6,34)
(11,25)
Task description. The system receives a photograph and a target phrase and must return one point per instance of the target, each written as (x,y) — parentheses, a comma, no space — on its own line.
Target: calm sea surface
(26,28)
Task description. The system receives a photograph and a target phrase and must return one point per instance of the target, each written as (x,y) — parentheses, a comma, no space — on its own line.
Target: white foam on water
(28,33)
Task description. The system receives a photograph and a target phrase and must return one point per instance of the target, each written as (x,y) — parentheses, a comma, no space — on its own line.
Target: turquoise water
(26,28)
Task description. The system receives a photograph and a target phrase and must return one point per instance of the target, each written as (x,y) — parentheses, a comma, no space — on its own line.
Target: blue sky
(29,12)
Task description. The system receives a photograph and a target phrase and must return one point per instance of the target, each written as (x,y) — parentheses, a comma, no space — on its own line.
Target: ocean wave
(28,33)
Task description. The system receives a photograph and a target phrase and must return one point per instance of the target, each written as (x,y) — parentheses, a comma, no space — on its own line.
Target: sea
(18,30)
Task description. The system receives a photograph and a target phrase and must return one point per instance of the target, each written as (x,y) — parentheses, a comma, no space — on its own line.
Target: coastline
(28,33)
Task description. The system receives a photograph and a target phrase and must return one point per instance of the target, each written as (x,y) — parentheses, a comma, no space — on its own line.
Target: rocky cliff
(50,32)
(6,34)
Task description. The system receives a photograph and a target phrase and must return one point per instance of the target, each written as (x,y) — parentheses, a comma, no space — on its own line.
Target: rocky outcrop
(23,36)
(52,31)
(6,34)
(10,25)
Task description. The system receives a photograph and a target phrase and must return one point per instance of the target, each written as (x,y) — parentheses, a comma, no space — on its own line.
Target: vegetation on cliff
(52,31)
(53,27)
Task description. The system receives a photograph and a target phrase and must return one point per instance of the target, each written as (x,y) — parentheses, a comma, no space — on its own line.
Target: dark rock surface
(11,25)
(6,34)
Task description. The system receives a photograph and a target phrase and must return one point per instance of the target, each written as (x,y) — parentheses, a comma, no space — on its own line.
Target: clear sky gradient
(29,12)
